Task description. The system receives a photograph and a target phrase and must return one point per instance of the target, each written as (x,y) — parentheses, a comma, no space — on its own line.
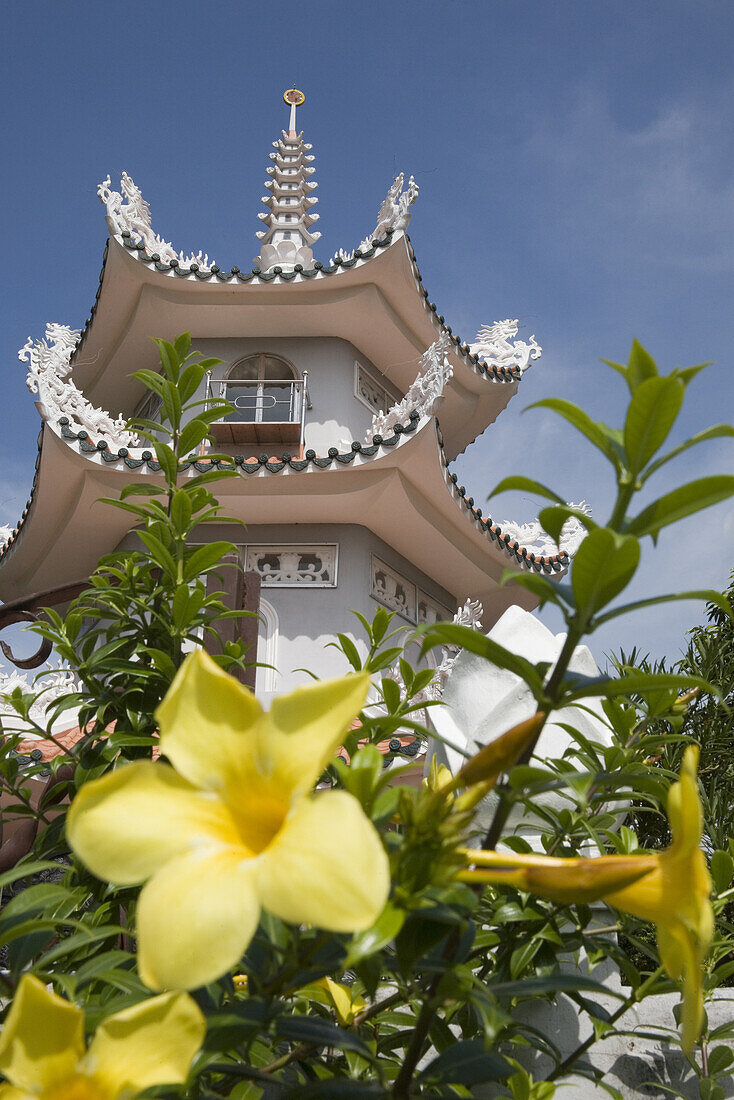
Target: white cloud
(662,193)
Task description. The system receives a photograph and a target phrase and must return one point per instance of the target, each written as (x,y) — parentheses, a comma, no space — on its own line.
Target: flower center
(259,815)
(78,1087)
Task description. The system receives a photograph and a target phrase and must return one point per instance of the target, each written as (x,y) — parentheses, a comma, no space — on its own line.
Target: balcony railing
(267,411)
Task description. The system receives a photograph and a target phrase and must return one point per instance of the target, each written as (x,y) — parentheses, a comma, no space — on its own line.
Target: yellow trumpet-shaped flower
(42,1053)
(671,888)
(233,825)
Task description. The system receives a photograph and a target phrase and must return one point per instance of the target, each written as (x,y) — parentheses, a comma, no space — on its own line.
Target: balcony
(266,411)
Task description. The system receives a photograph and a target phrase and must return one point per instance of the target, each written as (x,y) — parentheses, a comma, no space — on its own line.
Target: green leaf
(373,939)
(192,434)
(553,519)
(169,359)
(158,552)
(541,587)
(722,870)
(523,955)
(391,694)
(319,1032)
(350,651)
(205,558)
(597,434)
(640,683)
(604,565)
(652,413)
(167,460)
(466,1063)
(684,501)
(552,983)
(716,431)
(707,594)
(640,366)
(525,485)
(182,344)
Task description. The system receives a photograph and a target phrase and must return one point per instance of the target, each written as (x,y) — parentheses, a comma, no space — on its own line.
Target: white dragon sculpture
(127,211)
(534,538)
(49,376)
(493,345)
(435,371)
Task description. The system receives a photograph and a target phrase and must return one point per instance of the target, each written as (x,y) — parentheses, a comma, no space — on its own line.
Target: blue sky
(576,170)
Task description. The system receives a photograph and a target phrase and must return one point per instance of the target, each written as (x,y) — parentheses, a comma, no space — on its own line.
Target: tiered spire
(286,238)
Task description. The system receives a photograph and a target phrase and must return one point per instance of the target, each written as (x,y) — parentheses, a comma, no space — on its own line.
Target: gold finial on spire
(294,98)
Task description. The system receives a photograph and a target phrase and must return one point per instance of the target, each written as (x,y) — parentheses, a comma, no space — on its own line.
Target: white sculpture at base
(482,701)
(48,376)
(435,371)
(493,345)
(128,212)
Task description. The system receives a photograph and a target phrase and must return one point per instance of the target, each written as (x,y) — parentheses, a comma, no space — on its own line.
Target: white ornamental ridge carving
(51,687)
(5,533)
(48,376)
(493,345)
(395,211)
(422,396)
(127,211)
(537,541)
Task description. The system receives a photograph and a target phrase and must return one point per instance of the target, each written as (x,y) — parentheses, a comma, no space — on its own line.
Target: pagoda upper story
(352,348)
(286,238)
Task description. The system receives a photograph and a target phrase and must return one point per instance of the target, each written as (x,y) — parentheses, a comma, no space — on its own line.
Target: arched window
(267,394)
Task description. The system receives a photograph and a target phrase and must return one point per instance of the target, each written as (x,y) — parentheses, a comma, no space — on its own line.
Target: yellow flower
(42,1051)
(233,825)
(671,888)
(341,998)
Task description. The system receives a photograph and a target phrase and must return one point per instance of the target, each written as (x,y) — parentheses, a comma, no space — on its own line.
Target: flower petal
(195,919)
(43,1037)
(206,723)
(327,866)
(126,824)
(682,959)
(684,806)
(305,728)
(152,1043)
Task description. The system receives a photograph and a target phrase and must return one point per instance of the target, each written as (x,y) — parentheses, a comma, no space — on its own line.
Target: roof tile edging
(521,555)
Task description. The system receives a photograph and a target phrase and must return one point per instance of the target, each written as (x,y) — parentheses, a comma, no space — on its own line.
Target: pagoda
(351,396)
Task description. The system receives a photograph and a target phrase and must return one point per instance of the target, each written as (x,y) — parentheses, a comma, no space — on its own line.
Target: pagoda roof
(399,487)
(373,297)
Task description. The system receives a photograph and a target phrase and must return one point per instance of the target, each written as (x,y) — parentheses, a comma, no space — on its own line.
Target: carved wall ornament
(370,391)
(435,371)
(288,566)
(127,211)
(493,345)
(397,593)
(49,373)
(535,539)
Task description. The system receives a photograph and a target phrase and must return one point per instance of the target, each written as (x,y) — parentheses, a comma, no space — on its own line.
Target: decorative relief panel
(369,391)
(289,566)
(395,592)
